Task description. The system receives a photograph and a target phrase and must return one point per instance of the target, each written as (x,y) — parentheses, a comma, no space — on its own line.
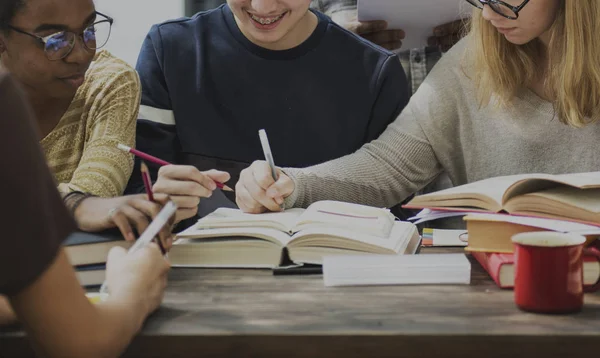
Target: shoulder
(109,73)
(453,67)
(173,29)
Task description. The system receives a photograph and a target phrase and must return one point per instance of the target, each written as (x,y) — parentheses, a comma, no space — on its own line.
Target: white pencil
(150,233)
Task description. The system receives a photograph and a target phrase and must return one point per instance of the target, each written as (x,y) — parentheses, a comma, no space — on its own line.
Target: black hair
(8,9)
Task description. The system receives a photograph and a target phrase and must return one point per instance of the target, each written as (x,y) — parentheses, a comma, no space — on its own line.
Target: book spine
(491,263)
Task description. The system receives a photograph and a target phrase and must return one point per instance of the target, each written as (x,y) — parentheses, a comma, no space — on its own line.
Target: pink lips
(74,81)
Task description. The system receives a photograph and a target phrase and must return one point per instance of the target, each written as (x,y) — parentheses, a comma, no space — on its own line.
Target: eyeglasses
(59,45)
(500,7)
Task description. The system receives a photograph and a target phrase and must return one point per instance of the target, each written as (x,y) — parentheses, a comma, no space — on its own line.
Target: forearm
(63,323)
(382,173)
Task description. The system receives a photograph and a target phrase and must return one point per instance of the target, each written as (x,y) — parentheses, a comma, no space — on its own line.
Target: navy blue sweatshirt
(207,90)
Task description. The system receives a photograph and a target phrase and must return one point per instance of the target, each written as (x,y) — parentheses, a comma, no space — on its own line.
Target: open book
(231,238)
(573,197)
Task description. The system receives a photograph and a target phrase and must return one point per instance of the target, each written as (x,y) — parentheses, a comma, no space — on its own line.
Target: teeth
(265,20)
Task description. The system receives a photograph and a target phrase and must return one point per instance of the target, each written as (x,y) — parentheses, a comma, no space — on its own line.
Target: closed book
(502,270)
(91,275)
(85,248)
(427,269)
(493,232)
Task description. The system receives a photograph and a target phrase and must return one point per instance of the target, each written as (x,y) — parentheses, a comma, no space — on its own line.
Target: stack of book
(495,209)
(88,252)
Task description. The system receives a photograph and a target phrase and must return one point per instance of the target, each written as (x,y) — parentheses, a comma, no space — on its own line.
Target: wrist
(130,310)
(73,202)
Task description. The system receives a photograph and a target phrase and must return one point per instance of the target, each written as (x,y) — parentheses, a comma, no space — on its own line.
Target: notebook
(364,270)
(574,197)
(231,238)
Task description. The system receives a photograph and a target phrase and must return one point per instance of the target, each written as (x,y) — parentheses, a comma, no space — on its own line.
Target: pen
(148,186)
(150,233)
(158,161)
(264,141)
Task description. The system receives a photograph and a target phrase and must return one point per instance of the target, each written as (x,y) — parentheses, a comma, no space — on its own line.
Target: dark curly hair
(8,9)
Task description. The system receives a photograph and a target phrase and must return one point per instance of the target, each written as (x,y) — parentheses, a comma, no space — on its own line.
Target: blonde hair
(573,77)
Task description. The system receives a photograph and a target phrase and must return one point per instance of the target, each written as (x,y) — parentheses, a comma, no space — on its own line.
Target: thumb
(218,175)
(116,254)
(366,27)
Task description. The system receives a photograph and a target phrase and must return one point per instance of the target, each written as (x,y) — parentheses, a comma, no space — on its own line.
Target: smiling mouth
(266,20)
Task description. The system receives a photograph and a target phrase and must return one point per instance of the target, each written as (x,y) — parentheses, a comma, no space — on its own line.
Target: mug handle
(592,251)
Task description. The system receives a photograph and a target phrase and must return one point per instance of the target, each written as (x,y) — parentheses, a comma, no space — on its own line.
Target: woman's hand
(125,212)
(257,191)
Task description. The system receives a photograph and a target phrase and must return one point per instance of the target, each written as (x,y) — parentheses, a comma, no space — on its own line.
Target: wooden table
(250,313)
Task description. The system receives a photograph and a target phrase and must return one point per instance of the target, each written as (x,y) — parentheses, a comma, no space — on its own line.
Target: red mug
(549,271)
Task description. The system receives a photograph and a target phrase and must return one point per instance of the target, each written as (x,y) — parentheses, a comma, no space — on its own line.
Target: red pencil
(147,181)
(148,186)
(159,161)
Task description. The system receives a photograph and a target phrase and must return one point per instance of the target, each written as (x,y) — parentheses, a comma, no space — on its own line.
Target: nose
(265,7)
(80,54)
(490,14)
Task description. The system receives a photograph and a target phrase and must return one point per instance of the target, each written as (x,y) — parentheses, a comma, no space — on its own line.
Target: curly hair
(8,9)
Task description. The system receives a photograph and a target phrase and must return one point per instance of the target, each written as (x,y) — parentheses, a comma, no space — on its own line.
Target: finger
(122,222)
(145,206)
(185,202)
(392,45)
(449,28)
(217,175)
(281,189)
(186,173)
(161,198)
(182,187)
(260,174)
(137,218)
(183,214)
(384,37)
(259,195)
(246,202)
(365,27)
(116,254)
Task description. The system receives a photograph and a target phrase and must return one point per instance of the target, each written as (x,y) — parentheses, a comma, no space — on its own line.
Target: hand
(125,212)
(447,35)
(256,191)
(374,31)
(186,185)
(139,278)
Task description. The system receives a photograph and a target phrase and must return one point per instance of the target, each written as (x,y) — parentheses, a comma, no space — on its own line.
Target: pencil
(148,186)
(158,161)
(147,181)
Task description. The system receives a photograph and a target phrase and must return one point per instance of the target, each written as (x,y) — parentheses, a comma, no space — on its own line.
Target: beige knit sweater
(443,129)
(82,150)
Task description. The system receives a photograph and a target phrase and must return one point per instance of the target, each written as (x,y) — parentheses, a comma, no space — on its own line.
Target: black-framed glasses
(59,45)
(500,7)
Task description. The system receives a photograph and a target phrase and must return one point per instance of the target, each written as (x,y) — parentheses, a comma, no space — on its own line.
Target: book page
(537,182)
(260,233)
(401,235)
(333,214)
(487,192)
(416,17)
(229,218)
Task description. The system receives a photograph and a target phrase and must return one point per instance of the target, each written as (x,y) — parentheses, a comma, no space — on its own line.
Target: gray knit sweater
(443,129)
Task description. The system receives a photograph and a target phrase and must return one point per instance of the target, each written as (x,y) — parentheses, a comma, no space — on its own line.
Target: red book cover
(501,268)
